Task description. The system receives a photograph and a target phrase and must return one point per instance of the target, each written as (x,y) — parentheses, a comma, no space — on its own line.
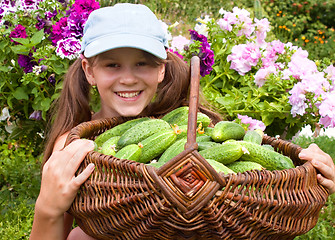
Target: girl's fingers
(77,157)
(83,176)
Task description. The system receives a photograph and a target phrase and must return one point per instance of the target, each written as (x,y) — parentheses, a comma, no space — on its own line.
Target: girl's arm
(58,189)
(324,163)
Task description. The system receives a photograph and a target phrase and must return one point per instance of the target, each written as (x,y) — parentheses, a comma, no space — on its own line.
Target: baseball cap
(123,25)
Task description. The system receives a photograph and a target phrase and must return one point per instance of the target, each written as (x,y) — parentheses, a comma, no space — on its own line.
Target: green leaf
(267,118)
(23,41)
(37,37)
(20,49)
(20,94)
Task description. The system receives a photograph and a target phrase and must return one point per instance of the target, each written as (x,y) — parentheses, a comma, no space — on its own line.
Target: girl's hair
(72,107)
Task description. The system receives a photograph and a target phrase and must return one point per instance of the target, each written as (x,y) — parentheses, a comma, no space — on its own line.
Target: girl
(124,55)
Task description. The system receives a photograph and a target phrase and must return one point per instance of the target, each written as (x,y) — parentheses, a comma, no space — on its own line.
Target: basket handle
(193,104)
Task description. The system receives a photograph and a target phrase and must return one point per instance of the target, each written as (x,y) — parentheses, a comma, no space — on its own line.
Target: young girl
(124,55)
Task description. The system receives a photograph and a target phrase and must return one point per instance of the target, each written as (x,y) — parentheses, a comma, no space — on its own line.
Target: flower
(327,110)
(251,123)
(27,62)
(18,32)
(178,43)
(4,114)
(68,48)
(243,57)
(205,54)
(36,115)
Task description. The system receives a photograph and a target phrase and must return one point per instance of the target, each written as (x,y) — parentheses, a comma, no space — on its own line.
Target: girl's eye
(113,65)
(141,64)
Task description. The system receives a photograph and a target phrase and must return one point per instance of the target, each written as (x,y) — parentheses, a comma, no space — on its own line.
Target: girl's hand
(59,184)
(323,162)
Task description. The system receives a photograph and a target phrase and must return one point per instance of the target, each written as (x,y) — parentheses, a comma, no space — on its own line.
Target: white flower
(5,114)
(37,70)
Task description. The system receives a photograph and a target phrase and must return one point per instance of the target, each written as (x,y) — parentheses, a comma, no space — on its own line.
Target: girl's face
(126,79)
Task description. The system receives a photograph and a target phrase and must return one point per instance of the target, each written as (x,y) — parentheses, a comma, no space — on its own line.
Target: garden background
(34,58)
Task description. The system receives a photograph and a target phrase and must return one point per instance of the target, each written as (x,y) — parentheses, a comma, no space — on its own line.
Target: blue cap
(123,25)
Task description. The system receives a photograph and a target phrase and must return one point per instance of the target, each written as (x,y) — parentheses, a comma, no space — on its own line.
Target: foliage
(38,42)
(266,80)
(307,23)
(19,187)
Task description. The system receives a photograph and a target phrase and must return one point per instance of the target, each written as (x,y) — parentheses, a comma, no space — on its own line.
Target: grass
(20,182)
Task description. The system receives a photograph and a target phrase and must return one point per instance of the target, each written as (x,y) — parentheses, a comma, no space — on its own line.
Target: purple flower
(75,24)
(68,48)
(36,115)
(29,4)
(52,79)
(18,32)
(206,55)
(58,30)
(177,53)
(85,6)
(26,62)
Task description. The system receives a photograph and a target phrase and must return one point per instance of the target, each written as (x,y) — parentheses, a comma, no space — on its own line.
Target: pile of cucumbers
(227,146)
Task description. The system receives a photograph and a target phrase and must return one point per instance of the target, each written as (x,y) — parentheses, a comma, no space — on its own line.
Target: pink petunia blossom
(243,57)
(252,123)
(68,48)
(178,43)
(262,74)
(262,27)
(327,110)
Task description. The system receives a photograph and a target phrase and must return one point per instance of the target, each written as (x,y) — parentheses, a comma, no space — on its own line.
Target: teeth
(128,95)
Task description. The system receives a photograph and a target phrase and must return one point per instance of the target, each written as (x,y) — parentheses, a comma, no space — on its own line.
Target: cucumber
(183,132)
(130,152)
(201,118)
(224,153)
(269,159)
(141,131)
(203,138)
(176,115)
(219,167)
(225,130)
(156,164)
(253,136)
(179,116)
(109,146)
(268,146)
(243,166)
(118,130)
(208,131)
(173,150)
(156,144)
(207,144)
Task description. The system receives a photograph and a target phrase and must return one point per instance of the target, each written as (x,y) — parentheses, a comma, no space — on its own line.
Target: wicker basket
(187,199)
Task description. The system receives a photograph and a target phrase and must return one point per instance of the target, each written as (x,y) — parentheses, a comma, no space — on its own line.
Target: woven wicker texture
(187,199)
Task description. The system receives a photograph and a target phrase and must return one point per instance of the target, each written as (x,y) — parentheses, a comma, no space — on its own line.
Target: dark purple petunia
(85,6)
(58,30)
(206,55)
(52,79)
(26,62)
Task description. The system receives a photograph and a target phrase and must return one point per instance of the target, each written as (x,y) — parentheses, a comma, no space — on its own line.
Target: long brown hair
(72,107)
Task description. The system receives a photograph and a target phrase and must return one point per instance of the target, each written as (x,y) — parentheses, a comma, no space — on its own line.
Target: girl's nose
(128,76)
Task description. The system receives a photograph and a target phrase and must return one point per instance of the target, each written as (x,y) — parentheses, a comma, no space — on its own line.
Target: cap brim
(110,42)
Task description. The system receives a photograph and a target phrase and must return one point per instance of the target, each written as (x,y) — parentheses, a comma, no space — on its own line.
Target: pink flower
(330,70)
(68,48)
(243,57)
(262,74)
(327,110)
(179,42)
(252,123)
(18,32)
(262,27)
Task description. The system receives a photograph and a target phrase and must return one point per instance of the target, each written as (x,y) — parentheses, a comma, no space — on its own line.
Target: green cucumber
(253,136)
(224,153)
(269,159)
(207,144)
(183,132)
(219,167)
(173,150)
(176,115)
(225,130)
(243,166)
(156,144)
(109,146)
(130,152)
(179,116)
(118,130)
(141,131)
